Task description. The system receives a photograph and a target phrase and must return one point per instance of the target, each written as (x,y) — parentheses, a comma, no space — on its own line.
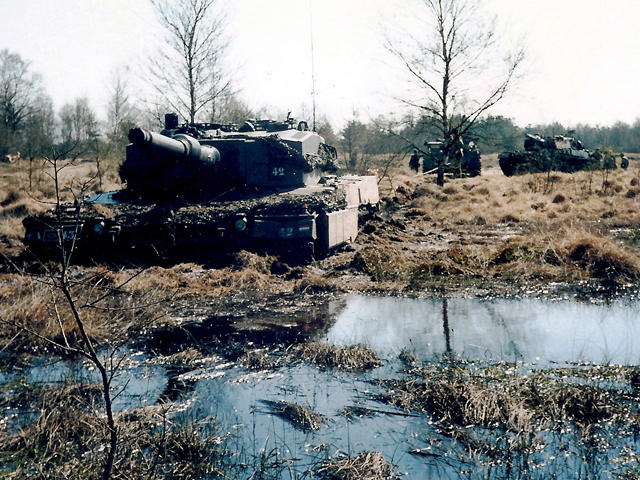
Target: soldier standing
(414,161)
(609,162)
(597,159)
(456,152)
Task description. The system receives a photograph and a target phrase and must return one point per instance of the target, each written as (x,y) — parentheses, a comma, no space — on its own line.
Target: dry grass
(496,417)
(312,283)
(356,358)
(15,204)
(534,228)
(365,466)
(256,360)
(65,439)
(562,227)
(184,281)
(300,416)
(519,229)
(27,189)
(33,310)
(158,443)
(65,435)
(382,262)
(533,198)
(188,356)
(493,398)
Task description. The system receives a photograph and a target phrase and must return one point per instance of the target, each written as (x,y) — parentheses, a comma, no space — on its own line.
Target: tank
(196,191)
(560,153)
(471,165)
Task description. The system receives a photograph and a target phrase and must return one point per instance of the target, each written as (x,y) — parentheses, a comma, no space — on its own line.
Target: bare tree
(121,114)
(38,135)
(229,108)
(59,280)
(79,126)
(188,73)
(457,63)
(86,310)
(18,90)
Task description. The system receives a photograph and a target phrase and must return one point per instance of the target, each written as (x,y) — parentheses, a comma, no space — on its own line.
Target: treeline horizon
(32,126)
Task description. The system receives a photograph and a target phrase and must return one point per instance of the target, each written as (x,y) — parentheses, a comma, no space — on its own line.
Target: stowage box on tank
(193,191)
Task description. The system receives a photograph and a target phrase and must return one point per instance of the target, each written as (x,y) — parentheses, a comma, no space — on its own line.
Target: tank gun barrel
(178,146)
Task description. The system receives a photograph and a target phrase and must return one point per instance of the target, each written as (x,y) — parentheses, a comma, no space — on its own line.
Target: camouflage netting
(166,223)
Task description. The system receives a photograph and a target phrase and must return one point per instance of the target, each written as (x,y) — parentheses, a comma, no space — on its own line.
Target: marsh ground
(543,235)
(488,235)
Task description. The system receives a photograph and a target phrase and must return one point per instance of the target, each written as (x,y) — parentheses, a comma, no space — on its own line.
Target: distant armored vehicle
(470,166)
(195,191)
(559,153)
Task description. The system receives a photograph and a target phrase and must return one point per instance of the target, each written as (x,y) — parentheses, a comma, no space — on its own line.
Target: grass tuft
(300,416)
(365,466)
(356,358)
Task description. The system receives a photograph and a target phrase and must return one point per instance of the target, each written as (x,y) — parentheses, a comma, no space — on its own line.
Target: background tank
(559,153)
(193,191)
(471,162)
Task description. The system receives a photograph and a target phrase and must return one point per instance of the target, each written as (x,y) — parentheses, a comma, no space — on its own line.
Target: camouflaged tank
(470,165)
(196,191)
(558,153)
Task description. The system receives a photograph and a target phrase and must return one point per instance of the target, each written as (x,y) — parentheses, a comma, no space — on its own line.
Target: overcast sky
(582,55)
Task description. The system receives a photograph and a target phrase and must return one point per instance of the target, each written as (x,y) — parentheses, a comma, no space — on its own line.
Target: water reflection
(216,385)
(529,330)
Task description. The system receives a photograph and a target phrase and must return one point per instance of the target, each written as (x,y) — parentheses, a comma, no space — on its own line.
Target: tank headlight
(241,224)
(98,228)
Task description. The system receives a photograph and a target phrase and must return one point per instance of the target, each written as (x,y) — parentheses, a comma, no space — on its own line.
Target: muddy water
(534,333)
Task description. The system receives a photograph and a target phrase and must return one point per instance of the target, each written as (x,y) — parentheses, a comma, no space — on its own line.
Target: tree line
(31,125)
(449,96)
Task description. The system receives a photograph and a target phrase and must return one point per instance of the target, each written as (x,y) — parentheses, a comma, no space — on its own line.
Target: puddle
(527,330)
(532,332)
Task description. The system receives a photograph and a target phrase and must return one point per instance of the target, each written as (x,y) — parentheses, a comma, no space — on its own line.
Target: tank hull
(296,224)
(520,163)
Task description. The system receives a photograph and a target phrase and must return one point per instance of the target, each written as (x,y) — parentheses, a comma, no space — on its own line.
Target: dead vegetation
(365,466)
(256,360)
(534,228)
(491,230)
(67,428)
(27,187)
(300,416)
(498,397)
(498,421)
(36,319)
(355,358)
(65,438)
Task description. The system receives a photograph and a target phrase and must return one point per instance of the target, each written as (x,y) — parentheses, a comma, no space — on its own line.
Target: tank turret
(211,158)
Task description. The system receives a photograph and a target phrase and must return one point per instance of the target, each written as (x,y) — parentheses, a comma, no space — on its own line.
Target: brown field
(478,234)
(542,234)
(488,235)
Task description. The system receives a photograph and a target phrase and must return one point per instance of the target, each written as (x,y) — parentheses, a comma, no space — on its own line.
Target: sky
(582,56)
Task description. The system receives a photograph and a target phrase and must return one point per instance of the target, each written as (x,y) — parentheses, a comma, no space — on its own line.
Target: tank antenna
(313,74)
